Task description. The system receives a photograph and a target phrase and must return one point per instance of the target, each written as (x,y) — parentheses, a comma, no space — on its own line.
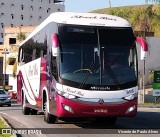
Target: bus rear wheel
(48,117)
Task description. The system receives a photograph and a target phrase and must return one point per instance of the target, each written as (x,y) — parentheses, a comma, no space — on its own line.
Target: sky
(89,5)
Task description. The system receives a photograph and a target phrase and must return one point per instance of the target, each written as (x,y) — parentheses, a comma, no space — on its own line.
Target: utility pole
(143,80)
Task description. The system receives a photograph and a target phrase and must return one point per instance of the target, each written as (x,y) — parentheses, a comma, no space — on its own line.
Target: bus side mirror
(144,47)
(55,45)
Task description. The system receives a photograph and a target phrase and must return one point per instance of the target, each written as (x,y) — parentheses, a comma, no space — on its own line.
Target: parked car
(4,98)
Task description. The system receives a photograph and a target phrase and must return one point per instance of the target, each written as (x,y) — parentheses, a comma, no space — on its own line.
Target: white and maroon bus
(79,65)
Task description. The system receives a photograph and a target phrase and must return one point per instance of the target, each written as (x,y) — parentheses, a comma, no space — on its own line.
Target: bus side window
(27,57)
(41,53)
(45,51)
(53,67)
(34,54)
(131,59)
(21,57)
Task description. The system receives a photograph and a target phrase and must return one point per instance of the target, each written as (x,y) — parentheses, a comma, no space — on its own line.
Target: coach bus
(79,65)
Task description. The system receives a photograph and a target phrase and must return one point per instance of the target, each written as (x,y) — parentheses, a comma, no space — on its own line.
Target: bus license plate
(100,110)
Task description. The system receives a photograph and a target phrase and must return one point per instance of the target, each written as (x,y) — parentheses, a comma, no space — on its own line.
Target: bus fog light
(68,108)
(130,109)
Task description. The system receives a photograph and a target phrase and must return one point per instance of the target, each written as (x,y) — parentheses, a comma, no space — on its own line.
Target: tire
(48,117)
(106,120)
(25,110)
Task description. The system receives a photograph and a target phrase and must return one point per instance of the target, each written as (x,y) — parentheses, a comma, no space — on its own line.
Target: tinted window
(2,92)
(96,55)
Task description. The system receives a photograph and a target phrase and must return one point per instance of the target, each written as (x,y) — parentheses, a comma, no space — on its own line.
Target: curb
(8,126)
(149,107)
(13,101)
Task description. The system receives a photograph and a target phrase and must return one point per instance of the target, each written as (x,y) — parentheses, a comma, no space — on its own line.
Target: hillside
(142,18)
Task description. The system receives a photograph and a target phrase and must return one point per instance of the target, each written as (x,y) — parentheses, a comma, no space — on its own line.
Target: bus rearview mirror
(144,47)
(55,45)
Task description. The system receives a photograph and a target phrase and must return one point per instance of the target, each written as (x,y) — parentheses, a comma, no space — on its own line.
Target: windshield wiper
(87,75)
(100,63)
(112,74)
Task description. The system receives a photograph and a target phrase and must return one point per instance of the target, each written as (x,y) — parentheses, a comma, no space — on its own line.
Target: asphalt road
(147,118)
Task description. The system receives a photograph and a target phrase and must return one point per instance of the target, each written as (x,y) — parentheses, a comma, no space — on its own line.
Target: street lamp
(5,51)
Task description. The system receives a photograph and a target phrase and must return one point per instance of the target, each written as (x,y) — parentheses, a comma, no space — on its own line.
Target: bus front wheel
(49,118)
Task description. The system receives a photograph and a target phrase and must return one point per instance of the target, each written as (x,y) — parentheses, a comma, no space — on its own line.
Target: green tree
(21,36)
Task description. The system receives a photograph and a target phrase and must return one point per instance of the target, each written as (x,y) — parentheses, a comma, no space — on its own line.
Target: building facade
(26,12)
(12,41)
(1,74)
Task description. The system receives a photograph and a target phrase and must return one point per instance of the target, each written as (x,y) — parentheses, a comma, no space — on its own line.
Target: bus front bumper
(70,108)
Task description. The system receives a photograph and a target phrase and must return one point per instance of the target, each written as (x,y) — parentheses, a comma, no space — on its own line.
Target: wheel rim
(45,110)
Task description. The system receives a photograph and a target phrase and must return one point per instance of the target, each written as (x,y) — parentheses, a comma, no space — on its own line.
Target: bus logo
(101,101)
(100,88)
(33,70)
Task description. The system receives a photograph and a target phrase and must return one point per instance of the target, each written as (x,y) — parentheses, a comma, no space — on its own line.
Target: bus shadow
(86,123)
(93,125)
(143,120)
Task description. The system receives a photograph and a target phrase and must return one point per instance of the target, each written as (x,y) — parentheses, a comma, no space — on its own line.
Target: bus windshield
(96,55)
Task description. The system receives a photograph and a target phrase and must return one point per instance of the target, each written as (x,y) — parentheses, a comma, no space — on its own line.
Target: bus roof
(89,19)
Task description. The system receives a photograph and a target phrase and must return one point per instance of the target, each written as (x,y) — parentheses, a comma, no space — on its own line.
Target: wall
(32,13)
(152,62)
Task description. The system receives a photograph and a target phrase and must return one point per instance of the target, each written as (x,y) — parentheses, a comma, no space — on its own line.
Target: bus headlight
(66,95)
(131,97)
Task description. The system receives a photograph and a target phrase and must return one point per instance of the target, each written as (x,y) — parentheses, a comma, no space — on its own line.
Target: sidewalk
(148,98)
